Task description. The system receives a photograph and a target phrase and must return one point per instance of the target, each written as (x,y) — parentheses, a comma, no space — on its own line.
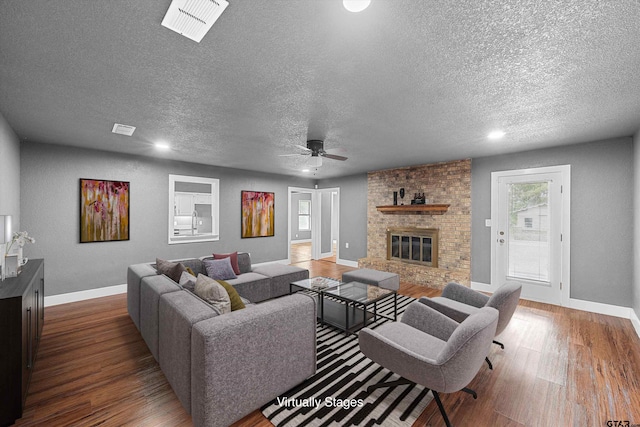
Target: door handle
(501,240)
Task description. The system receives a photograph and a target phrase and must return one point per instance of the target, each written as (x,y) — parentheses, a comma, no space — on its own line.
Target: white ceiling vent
(123,129)
(193,18)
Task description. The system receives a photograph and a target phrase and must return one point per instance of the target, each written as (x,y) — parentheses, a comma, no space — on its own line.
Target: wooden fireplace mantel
(429,208)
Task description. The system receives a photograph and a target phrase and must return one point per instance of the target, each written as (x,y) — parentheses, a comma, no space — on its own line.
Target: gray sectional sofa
(223,367)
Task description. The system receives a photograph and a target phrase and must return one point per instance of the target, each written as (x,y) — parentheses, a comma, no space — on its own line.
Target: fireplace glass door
(417,247)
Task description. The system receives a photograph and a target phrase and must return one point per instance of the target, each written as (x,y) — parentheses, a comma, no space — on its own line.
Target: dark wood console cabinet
(21,320)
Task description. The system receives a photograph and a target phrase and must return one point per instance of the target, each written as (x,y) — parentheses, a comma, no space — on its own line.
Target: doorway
(530,229)
(313,224)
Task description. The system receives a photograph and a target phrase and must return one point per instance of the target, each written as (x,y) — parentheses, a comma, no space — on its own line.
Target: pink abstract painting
(258,214)
(104,210)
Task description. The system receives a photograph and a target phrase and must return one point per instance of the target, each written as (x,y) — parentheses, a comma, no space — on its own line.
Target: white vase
(10,266)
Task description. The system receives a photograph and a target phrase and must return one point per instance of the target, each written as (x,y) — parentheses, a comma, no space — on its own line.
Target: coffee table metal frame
(353,308)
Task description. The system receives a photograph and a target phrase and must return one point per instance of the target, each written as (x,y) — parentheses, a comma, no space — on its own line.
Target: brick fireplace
(442,183)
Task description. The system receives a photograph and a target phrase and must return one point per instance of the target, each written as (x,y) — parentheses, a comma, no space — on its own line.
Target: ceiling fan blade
(293,155)
(302,147)
(333,156)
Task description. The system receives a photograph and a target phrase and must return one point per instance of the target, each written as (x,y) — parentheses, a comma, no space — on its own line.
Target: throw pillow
(213,293)
(219,269)
(188,281)
(234,296)
(173,270)
(234,260)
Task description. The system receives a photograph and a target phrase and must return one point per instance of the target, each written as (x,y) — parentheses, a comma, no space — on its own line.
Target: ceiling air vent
(193,18)
(123,129)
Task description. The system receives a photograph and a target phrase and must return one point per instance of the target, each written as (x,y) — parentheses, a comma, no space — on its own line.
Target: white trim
(84,295)
(482,287)
(590,306)
(600,308)
(347,262)
(635,322)
(294,241)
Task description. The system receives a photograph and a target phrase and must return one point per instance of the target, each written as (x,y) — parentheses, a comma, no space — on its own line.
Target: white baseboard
(482,287)
(347,262)
(84,295)
(294,241)
(635,321)
(600,308)
(590,306)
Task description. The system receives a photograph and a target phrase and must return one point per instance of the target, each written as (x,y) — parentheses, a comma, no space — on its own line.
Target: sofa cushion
(213,293)
(236,301)
(252,286)
(234,260)
(178,312)
(188,281)
(173,270)
(281,276)
(219,269)
(244,262)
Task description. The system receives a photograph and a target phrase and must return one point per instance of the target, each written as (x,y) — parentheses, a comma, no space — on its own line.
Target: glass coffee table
(347,306)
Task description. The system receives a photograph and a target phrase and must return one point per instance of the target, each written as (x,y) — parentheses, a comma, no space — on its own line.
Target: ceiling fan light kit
(356,5)
(315,161)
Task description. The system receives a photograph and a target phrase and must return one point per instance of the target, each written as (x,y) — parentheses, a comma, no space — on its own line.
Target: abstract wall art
(104,210)
(258,217)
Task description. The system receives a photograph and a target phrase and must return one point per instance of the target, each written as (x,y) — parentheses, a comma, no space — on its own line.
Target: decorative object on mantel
(428,208)
(14,261)
(5,236)
(419,199)
(395,198)
(402,195)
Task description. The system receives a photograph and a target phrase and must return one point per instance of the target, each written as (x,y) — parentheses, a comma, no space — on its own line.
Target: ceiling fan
(315,150)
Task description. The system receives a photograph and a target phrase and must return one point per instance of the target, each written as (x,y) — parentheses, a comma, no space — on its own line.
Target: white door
(530,223)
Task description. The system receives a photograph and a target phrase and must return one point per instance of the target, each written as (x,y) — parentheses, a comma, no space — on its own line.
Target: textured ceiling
(402,83)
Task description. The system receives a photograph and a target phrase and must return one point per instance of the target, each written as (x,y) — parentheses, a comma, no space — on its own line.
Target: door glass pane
(528,238)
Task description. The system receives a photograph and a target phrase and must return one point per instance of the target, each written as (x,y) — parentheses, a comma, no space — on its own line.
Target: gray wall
(353,214)
(50,204)
(601,215)
(636,230)
(296,234)
(9,173)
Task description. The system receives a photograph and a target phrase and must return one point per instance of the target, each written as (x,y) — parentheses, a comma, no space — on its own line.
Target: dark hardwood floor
(560,367)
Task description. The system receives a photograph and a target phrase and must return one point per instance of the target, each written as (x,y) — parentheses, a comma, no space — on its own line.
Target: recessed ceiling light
(496,134)
(356,5)
(164,146)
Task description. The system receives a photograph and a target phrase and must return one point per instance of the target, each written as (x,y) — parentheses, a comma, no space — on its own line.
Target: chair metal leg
(499,343)
(489,363)
(439,403)
(471,392)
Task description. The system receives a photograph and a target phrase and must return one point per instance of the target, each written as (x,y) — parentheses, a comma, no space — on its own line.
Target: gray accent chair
(458,302)
(432,350)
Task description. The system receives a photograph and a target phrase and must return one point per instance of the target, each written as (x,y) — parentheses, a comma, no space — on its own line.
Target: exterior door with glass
(530,213)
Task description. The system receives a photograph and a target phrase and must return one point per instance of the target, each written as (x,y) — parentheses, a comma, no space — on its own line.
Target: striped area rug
(337,394)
